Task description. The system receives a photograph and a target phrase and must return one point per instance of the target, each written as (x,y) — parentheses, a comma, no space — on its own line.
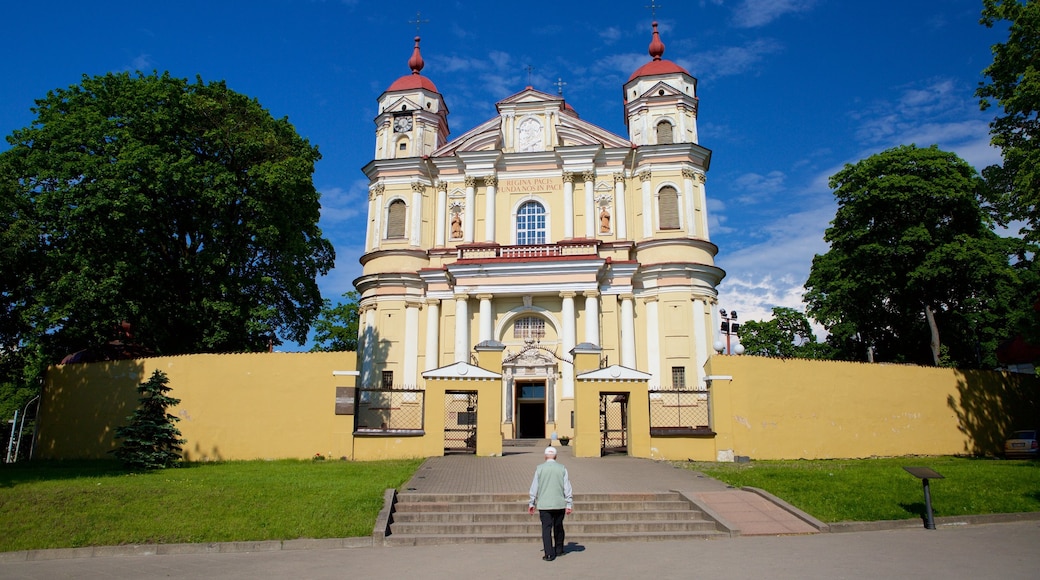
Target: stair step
(536,538)
(420,518)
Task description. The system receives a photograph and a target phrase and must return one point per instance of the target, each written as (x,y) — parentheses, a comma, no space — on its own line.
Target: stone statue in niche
(604,220)
(456,225)
(530,136)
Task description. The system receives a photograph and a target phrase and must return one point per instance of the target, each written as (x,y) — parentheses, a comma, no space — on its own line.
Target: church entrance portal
(530,410)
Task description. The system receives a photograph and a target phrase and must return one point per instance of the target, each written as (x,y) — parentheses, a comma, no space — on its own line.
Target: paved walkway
(743,512)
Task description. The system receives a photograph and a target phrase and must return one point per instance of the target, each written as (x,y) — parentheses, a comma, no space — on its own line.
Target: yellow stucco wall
(282,405)
(233,406)
(789,408)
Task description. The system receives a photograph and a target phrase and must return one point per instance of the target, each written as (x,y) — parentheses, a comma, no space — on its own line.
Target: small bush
(151,440)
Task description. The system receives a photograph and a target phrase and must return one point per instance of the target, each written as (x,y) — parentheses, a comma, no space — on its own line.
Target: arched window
(529,327)
(668,208)
(530,224)
(395,219)
(664,133)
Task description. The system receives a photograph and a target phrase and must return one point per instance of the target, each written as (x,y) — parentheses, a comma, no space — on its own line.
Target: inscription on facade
(533,185)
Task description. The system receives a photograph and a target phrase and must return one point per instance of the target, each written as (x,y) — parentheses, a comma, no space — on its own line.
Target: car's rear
(1022,445)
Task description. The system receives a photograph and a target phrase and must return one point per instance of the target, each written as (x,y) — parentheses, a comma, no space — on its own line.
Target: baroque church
(542,235)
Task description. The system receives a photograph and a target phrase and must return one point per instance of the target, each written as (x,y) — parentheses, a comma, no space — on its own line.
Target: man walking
(551,495)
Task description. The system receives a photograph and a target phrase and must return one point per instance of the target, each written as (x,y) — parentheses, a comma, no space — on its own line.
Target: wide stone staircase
(430,518)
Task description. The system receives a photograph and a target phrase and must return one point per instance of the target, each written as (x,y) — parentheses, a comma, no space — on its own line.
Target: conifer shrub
(151,440)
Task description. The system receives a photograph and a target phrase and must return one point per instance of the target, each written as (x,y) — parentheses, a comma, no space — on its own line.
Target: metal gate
(613,423)
(460,422)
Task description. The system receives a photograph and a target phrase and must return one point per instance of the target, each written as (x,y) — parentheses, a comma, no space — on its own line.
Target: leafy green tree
(336,328)
(788,334)
(1013,84)
(184,209)
(914,265)
(151,440)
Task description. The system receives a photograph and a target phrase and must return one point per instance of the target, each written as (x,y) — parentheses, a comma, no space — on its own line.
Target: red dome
(657,66)
(414,80)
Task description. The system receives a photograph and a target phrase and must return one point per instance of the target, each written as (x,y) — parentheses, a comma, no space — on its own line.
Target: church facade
(542,236)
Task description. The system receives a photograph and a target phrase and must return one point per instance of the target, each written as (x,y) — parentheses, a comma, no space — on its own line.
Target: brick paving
(743,512)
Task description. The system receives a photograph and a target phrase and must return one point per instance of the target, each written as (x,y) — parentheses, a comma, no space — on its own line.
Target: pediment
(615,373)
(461,370)
(661,89)
(528,96)
(484,137)
(396,104)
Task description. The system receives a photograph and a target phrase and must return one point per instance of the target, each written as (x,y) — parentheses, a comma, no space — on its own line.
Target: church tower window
(530,224)
(664,133)
(395,219)
(668,208)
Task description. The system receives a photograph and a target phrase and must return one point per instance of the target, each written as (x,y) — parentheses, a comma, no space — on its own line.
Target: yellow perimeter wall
(789,409)
(282,405)
(233,406)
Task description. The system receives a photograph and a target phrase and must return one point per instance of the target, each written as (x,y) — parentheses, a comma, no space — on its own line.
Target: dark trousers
(552,526)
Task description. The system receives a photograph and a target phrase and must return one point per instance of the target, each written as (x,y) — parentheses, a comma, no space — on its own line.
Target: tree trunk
(935,334)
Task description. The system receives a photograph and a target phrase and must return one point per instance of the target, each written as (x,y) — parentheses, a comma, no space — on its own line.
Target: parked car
(1022,445)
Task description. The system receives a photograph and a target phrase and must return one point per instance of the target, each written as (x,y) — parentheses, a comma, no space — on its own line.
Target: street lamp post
(729,328)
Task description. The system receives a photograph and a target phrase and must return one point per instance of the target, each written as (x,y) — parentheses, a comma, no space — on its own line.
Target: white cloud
(142,62)
(730,60)
(755,13)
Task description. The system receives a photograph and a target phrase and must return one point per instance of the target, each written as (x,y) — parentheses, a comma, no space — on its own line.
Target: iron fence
(680,411)
(389,411)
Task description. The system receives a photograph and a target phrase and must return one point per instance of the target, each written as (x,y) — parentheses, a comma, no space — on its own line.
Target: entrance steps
(433,518)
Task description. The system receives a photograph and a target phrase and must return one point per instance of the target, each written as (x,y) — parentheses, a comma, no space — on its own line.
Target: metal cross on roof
(418,21)
(559,85)
(653,8)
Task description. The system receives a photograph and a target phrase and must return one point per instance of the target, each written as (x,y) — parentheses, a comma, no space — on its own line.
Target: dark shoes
(559,550)
(548,558)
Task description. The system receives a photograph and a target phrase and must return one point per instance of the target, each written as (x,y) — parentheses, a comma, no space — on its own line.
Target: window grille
(664,133)
(395,221)
(678,377)
(529,327)
(668,208)
(388,379)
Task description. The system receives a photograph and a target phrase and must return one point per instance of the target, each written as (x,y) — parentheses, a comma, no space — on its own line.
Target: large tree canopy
(1014,84)
(183,209)
(914,271)
(787,335)
(336,329)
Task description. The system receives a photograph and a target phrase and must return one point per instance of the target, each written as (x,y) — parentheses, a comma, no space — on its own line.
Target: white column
(620,212)
(461,328)
(688,204)
(590,204)
(377,216)
(653,342)
(367,353)
(415,212)
(370,224)
(411,343)
(628,331)
(702,202)
(485,317)
(441,213)
(592,317)
(568,338)
(648,205)
(433,333)
(702,346)
(489,218)
(471,209)
(568,205)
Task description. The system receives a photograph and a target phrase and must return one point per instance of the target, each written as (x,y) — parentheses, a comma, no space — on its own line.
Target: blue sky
(790,90)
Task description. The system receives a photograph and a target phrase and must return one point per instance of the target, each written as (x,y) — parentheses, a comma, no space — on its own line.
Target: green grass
(72,504)
(879,489)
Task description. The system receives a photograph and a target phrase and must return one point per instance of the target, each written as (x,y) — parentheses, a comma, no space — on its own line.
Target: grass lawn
(72,504)
(879,489)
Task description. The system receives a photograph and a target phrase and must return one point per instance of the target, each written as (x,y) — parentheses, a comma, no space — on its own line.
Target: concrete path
(742,512)
(1007,551)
